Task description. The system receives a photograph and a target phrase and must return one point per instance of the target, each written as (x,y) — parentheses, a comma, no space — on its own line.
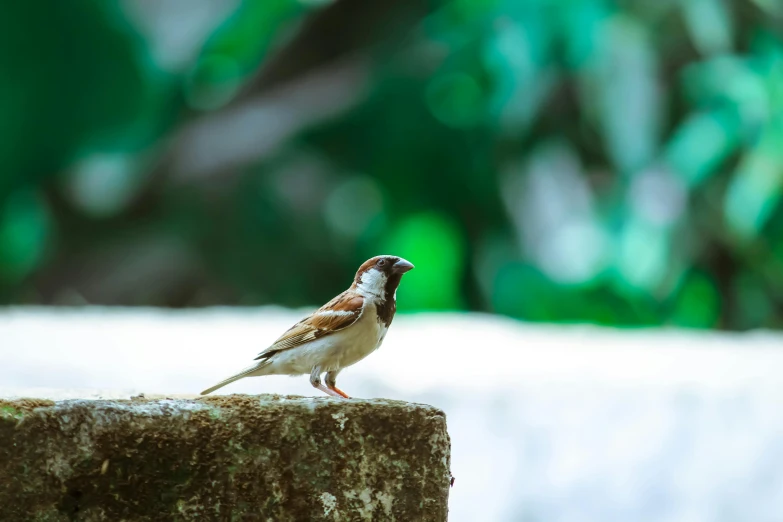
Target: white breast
(359,340)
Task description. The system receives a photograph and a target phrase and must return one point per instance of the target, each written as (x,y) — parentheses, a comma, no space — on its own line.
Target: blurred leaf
(625,78)
(756,187)
(642,256)
(697,303)
(702,143)
(771,6)
(733,82)
(582,22)
(467,10)
(250,32)
(24,231)
(515,55)
(753,305)
(552,207)
(710,25)
(213,82)
(435,246)
(456,100)
(237,47)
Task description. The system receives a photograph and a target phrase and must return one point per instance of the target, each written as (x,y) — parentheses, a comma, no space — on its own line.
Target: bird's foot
(339,392)
(333,393)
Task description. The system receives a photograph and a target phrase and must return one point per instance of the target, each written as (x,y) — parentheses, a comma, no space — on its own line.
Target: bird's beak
(402,266)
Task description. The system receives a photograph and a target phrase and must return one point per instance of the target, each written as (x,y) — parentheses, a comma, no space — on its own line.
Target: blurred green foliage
(617,162)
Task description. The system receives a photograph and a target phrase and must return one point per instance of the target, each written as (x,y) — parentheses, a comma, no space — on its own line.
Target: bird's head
(380,275)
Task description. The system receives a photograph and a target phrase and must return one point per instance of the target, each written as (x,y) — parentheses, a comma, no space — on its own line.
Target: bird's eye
(382,262)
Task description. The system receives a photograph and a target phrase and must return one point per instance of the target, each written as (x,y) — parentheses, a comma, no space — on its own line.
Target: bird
(340,333)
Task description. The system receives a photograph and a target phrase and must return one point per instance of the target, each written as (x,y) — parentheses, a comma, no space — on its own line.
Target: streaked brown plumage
(337,335)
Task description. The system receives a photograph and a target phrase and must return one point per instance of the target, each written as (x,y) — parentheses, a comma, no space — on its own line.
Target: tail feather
(244,373)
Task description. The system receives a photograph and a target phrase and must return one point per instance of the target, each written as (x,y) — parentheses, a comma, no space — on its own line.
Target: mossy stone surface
(232,458)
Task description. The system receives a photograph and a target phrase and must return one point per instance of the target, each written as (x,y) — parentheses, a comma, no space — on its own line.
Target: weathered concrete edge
(17,407)
(17,410)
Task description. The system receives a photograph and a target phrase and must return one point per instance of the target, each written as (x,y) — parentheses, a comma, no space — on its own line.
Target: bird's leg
(315,380)
(331,383)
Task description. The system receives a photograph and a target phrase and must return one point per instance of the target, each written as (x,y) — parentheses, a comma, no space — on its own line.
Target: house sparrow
(340,333)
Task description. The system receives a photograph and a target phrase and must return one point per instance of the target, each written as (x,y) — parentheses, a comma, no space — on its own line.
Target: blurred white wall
(547,423)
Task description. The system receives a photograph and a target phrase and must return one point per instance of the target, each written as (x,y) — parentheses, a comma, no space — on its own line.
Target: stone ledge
(235,457)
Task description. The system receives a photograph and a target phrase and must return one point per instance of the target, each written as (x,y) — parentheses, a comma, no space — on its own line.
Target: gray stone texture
(233,458)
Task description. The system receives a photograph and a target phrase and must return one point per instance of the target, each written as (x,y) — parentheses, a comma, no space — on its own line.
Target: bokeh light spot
(24,231)
(434,244)
(353,206)
(213,82)
(455,100)
(101,185)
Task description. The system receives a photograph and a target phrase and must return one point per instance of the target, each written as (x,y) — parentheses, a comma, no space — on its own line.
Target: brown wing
(341,312)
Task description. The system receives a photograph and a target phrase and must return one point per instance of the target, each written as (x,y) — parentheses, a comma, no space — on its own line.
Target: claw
(340,392)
